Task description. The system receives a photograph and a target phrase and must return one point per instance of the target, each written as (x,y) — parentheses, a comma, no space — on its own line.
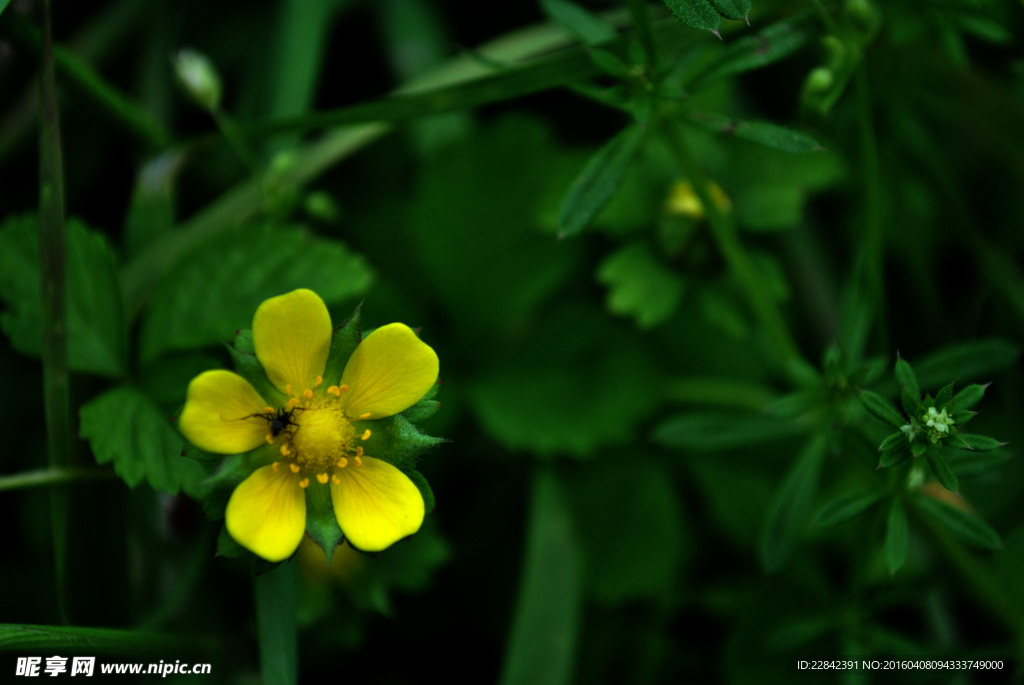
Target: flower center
(319,438)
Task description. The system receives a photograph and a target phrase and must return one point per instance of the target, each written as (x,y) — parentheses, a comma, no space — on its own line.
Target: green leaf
(980,443)
(907,381)
(967,361)
(151,212)
(542,642)
(123,427)
(762,132)
(911,403)
(3,5)
(894,450)
(95,320)
(753,52)
(845,508)
(969,397)
(787,515)
(944,395)
(589,28)
(732,9)
(698,14)
(712,431)
(881,409)
(942,471)
(321,523)
(974,464)
(640,286)
(642,531)
(16,637)
(599,180)
(970,528)
(217,289)
(897,537)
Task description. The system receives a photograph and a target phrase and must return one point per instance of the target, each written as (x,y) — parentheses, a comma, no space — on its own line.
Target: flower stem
(738,260)
(51,476)
(276,625)
(54,298)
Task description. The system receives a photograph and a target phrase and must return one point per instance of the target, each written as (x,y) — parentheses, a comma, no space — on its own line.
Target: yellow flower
(317,431)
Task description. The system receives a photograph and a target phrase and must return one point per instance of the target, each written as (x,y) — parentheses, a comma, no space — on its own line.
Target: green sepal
(945,395)
(233,470)
(897,538)
(845,508)
(395,440)
(344,341)
(420,481)
(979,443)
(423,409)
(881,409)
(906,378)
(968,527)
(942,470)
(321,523)
(911,403)
(243,357)
(968,397)
(190,451)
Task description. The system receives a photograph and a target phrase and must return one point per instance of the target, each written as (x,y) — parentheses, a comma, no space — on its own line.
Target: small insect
(280,421)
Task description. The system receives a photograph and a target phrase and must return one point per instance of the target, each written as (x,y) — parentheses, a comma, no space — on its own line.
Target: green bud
(198,77)
(863,17)
(819,80)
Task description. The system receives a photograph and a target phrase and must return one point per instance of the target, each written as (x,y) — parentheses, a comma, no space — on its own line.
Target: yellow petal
(292,336)
(388,373)
(267,513)
(376,504)
(218,414)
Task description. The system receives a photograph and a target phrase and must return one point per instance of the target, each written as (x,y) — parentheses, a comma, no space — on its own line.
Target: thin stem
(52,476)
(641,13)
(54,296)
(736,257)
(873,264)
(277,625)
(233,134)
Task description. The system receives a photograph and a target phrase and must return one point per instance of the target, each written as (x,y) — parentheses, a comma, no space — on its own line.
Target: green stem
(724,392)
(136,119)
(641,13)
(233,134)
(51,476)
(54,297)
(276,625)
(874,255)
(739,262)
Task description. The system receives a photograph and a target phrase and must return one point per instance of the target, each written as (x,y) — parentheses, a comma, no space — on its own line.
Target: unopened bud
(197,76)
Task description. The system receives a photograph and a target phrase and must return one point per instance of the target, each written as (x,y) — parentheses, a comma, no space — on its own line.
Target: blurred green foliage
(668,274)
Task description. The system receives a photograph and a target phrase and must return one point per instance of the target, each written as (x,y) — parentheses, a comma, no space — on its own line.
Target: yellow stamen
(342,463)
(333,390)
(343,388)
(294,402)
(285,451)
(358,461)
(366,435)
(365,416)
(294,468)
(359,451)
(322,478)
(319,381)
(304,483)
(275,465)
(307,393)
(270,438)
(268,410)
(288,390)
(335,480)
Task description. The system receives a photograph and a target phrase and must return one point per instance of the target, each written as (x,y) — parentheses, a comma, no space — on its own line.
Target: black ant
(279,421)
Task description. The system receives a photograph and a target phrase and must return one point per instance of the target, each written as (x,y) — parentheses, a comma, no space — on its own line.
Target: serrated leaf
(967,361)
(732,9)
(968,397)
(970,528)
(590,29)
(911,403)
(981,443)
(599,180)
(640,286)
(907,380)
(845,508)
(753,52)
(217,289)
(887,460)
(881,409)
(761,132)
(124,428)
(95,320)
(395,440)
(942,471)
(897,537)
(786,519)
(893,442)
(712,431)
(945,394)
(698,14)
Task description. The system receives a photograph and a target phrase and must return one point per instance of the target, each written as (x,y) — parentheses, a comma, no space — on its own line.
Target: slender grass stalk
(277,625)
(54,299)
(874,254)
(52,476)
(739,262)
